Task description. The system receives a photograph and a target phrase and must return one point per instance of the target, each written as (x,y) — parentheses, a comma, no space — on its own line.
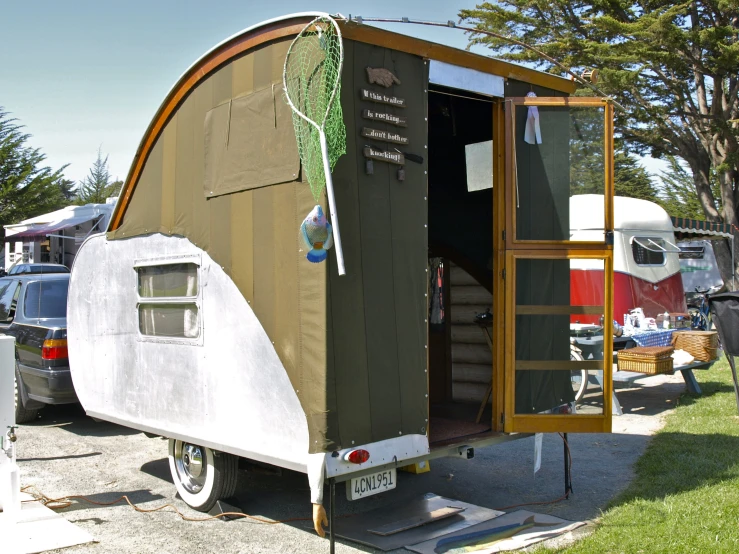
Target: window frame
(636,240)
(196,300)
(512,241)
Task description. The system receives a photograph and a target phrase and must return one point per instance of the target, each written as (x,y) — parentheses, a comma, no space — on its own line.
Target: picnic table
(592,349)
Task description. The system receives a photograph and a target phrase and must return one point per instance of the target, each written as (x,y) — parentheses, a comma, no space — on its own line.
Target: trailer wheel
(201,475)
(22,415)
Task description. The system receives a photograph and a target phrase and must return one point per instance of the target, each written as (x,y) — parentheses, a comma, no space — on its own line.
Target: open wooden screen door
(559,279)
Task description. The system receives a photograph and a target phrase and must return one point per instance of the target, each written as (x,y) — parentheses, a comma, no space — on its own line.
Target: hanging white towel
(532,133)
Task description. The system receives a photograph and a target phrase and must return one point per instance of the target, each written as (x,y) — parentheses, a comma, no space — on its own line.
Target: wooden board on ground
(416,521)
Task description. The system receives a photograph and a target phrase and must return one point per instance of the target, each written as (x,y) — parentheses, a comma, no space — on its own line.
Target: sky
(83,75)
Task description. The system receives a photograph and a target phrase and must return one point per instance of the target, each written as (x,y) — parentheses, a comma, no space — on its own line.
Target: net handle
(322,137)
(332,204)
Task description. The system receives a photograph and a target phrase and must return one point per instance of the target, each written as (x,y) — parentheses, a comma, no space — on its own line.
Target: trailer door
(557,278)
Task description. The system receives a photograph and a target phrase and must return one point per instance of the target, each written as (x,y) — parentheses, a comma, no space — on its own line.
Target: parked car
(24,269)
(33,309)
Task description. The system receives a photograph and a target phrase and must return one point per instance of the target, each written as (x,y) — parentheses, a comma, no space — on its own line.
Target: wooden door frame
(507,249)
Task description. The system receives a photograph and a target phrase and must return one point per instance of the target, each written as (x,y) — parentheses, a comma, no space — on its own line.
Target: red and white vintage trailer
(646,259)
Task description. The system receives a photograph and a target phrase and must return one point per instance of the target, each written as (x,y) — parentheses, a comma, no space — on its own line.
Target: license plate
(360,487)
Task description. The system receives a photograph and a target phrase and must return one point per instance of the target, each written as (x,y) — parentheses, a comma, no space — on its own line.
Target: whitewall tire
(201,475)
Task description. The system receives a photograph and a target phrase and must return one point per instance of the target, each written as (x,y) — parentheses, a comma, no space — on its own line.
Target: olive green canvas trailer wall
(252,233)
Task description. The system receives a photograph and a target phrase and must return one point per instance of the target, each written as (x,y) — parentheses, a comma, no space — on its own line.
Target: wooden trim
(568,101)
(499,264)
(609,191)
(601,253)
(547,423)
(447,54)
(608,348)
(510,342)
(558,244)
(185,85)
(570,423)
(512,240)
(559,310)
(558,365)
(509,168)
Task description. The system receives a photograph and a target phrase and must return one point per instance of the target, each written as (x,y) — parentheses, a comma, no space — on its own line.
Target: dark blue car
(33,309)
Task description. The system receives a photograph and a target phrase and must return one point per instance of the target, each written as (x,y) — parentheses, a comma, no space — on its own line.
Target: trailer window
(169,320)
(167,281)
(648,251)
(168,306)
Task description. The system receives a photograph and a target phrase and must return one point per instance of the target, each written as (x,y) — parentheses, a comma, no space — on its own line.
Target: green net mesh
(313,85)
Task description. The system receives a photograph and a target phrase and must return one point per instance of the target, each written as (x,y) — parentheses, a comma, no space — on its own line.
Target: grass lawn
(685,496)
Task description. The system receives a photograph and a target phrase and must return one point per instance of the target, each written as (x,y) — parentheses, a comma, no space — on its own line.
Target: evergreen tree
(115,188)
(631,179)
(98,186)
(678,193)
(27,187)
(673,66)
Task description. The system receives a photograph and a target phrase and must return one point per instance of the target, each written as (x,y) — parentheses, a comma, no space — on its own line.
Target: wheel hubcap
(190,465)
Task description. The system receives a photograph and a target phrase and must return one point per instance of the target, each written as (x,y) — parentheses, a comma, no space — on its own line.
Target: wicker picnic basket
(646,359)
(702,345)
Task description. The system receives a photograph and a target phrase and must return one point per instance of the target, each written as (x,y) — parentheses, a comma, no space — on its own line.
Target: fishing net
(312,83)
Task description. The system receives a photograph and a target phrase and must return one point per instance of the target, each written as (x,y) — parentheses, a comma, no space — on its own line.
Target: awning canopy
(40,231)
(686,229)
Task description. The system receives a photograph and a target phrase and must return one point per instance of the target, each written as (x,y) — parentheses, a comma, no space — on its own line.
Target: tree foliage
(27,187)
(673,66)
(631,179)
(98,186)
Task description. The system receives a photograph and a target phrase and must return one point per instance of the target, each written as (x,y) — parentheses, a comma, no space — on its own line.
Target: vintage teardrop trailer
(646,258)
(198,318)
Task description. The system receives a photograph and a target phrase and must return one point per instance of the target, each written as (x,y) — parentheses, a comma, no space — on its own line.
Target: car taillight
(357,456)
(54,349)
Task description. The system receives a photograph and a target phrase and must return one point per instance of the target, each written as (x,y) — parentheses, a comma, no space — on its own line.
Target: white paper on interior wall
(532,133)
(479,161)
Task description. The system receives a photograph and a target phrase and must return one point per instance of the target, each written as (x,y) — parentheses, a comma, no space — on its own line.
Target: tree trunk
(722,251)
(701,168)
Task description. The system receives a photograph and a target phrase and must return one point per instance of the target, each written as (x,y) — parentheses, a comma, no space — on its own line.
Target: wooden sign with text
(383,156)
(387,136)
(385,117)
(373,96)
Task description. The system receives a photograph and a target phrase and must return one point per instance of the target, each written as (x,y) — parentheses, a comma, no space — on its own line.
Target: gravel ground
(67,453)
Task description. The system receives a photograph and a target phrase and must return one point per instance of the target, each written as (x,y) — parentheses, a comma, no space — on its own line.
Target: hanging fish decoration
(317,235)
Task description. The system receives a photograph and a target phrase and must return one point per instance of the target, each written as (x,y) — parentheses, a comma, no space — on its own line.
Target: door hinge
(503,235)
(502,420)
(502,273)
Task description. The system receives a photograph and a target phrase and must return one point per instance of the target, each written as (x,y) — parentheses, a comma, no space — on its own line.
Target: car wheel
(202,476)
(21,414)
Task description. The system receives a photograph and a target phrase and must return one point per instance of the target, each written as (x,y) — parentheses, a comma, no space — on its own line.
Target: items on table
(674,320)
